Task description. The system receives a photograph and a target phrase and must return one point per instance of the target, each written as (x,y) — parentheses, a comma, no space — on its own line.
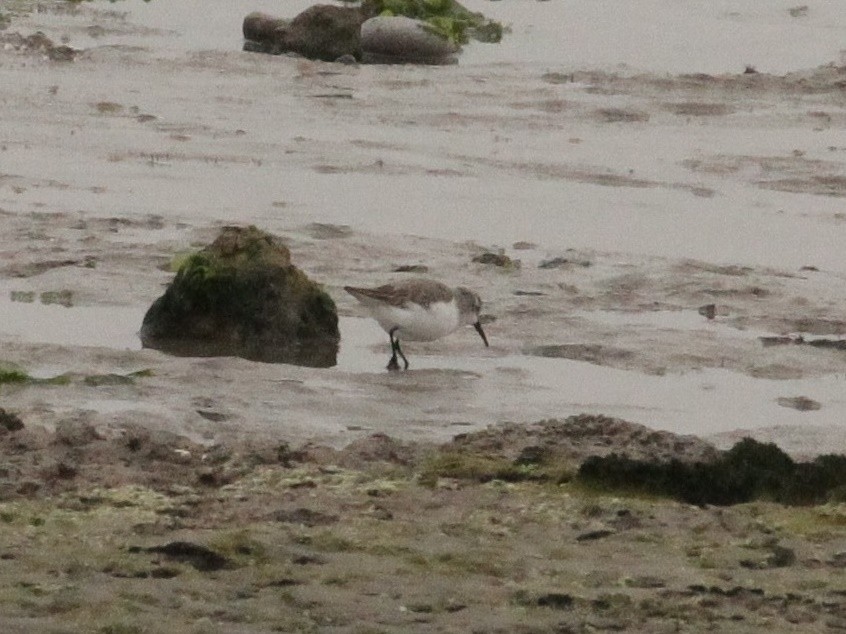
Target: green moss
(60,379)
(484,468)
(327,541)
(63,298)
(98,380)
(469,466)
(13,376)
(227,282)
(120,627)
(448,28)
(241,546)
(477,562)
(178,261)
(490,32)
(9,373)
(204,281)
(26,297)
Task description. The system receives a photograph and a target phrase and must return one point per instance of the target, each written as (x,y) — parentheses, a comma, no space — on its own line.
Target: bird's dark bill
(478,327)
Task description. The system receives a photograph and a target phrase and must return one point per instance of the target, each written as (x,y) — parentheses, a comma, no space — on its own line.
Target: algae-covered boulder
(329,32)
(401,40)
(241,296)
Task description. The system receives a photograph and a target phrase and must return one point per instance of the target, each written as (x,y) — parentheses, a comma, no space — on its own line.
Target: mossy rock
(241,296)
(448,18)
(329,32)
(750,470)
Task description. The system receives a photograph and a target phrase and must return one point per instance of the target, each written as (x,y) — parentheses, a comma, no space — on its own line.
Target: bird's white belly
(416,323)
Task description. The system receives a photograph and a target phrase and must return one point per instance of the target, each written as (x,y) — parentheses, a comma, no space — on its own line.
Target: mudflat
(662,247)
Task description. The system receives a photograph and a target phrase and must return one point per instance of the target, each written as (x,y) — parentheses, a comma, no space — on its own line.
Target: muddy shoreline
(597,211)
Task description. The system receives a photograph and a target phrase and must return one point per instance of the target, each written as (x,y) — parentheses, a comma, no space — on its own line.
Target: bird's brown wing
(420,291)
(386,293)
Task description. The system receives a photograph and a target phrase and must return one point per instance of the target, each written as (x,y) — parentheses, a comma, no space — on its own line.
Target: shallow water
(485,384)
(518,387)
(96,326)
(669,320)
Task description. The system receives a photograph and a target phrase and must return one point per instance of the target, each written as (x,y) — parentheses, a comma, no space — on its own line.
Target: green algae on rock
(241,296)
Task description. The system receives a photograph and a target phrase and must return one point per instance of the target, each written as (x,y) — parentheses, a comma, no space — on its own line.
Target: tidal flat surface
(673,230)
(654,174)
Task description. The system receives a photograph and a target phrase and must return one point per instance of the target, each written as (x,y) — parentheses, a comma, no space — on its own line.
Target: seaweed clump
(241,296)
(447,18)
(749,471)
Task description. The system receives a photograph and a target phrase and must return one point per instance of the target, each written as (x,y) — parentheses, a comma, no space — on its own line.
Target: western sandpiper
(419,309)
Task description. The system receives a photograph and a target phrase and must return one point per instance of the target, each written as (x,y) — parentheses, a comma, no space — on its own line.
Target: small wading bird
(419,310)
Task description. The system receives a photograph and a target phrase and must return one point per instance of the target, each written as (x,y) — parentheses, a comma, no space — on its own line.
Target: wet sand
(629,198)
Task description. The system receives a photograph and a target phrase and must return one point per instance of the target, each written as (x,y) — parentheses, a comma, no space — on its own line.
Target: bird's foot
(393,366)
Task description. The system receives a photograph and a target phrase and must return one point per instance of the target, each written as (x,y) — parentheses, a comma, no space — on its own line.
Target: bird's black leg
(399,350)
(393,364)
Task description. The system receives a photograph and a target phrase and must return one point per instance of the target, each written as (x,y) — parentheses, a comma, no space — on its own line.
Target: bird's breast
(419,323)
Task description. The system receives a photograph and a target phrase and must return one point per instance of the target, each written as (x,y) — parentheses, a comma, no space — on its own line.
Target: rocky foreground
(139,531)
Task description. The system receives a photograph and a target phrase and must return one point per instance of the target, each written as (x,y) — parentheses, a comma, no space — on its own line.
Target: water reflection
(314,354)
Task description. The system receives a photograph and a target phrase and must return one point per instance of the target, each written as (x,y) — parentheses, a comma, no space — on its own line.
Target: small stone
(533,454)
(781,557)
(709,311)
(200,557)
(496,259)
(594,535)
(556,600)
(215,417)
(305,517)
(554,263)
(28,487)
(10,421)
(411,268)
(62,471)
(646,581)
(520,293)
(379,512)
(62,53)
(75,433)
(800,403)
(306,560)
(347,60)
